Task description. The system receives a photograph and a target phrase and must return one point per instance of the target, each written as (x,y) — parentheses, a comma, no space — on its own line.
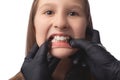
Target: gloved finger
(32,52)
(96,37)
(41,54)
(52,61)
(80,43)
(53,64)
(77,57)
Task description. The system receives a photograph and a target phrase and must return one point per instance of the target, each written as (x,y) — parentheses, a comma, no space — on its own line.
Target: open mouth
(60,40)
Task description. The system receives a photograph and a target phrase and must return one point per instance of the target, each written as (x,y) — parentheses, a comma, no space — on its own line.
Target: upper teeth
(60,38)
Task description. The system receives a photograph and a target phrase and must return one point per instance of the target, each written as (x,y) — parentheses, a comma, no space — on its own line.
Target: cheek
(79,32)
(41,29)
(79,29)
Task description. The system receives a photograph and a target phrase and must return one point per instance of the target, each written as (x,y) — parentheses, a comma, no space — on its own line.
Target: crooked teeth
(60,38)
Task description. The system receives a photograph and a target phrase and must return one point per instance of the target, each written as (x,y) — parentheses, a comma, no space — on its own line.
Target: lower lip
(60,45)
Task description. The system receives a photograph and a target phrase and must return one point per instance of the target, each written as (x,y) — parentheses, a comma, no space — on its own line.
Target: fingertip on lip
(50,38)
(71,42)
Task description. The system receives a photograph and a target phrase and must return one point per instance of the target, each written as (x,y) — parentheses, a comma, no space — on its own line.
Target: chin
(62,52)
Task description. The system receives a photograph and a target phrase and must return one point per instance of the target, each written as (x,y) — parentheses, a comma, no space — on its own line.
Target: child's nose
(61,23)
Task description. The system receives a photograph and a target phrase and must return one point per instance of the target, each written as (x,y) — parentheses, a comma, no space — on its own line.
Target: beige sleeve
(18,76)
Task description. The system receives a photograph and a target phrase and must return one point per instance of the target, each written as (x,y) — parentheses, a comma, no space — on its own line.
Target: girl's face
(60,20)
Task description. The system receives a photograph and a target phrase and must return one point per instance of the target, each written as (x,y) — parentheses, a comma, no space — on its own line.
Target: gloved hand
(102,64)
(36,65)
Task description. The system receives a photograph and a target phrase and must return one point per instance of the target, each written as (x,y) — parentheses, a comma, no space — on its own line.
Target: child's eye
(48,12)
(73,14)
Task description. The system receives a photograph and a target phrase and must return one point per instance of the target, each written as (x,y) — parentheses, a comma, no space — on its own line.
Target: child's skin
(62,18)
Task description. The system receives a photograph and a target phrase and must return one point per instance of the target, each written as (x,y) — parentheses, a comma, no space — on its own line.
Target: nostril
(61,27)
(55,26)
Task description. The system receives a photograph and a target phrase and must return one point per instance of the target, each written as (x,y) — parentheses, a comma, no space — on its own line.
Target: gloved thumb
(80,43)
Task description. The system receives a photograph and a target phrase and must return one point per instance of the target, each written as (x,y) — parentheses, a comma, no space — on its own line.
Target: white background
(14,16)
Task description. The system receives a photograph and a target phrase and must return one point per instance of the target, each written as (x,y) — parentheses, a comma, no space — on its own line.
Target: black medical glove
(36,65)
(102,64)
